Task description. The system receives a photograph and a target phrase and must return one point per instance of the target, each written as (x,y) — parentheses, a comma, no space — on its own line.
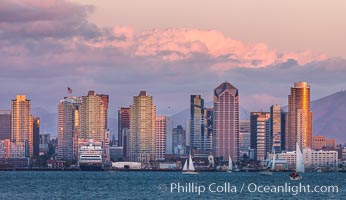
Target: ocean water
(168,185)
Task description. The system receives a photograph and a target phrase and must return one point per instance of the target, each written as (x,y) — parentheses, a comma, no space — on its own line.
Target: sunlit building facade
(226,122)
(275,123)
(299,117)
(22,124)
(142,128)
(319,142)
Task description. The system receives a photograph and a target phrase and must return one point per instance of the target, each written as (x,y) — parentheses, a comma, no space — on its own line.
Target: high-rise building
(200,136)
(163,133)
(169,135)
(5,124)
(36,136)
(21,124)
(142,128)
(275,123)
(123,122)
(260,131)
(284,128)
(226,122)
(244,137)
(68,127)
(93,118)
(299,117)
(179,140)
(44,143)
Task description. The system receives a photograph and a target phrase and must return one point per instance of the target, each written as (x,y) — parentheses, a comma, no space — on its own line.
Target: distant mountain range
(328,117)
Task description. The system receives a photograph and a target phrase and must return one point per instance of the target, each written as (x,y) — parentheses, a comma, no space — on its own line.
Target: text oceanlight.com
(227,187)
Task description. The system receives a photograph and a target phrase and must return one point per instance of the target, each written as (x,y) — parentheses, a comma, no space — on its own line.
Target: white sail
(191,167)
(185,166)
(230,165)
(273,162)
(299,160)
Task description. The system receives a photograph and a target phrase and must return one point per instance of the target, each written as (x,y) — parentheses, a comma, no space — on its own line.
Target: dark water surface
(165,185)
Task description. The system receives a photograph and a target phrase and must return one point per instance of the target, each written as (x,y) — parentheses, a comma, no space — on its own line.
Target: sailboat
(294,176)
(269,172)
(230,165)
(188,167)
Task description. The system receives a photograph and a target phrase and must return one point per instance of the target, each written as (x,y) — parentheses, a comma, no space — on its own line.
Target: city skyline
(84,53)
(172,99)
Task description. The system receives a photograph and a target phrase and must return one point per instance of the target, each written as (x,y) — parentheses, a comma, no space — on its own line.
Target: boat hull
(91,167)
(298,178)
(190,173)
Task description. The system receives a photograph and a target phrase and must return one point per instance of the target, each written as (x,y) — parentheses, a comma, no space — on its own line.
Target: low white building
(320,158)
(312,158)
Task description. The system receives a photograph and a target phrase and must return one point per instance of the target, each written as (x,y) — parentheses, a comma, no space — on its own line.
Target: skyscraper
(260,134)
(299,117)
(226,121)
(179,140)
(93,120)
(5,124)
(244,137)
(200,138)
(36,136)
(275,123)
(21,123)
(123,123)
(142,128)
(68,127)
(163,138)
(93,116)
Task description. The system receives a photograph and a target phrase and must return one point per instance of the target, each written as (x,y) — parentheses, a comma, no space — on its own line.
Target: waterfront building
(299,117)
(44,143)
(93,120)
(68,127)
(226,122)
(142,128)
(5,147)
(163,137)
(284,129)
(5,124)
(200,136)
(319,142)
(260,134)
(344,153)
(123,123)
(312,158)
(244,137)
(179,140)
(116,153)
(36,136)
(275,129)
(22,124)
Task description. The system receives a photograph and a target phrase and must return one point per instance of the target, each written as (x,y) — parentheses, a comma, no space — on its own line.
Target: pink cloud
(176,44)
